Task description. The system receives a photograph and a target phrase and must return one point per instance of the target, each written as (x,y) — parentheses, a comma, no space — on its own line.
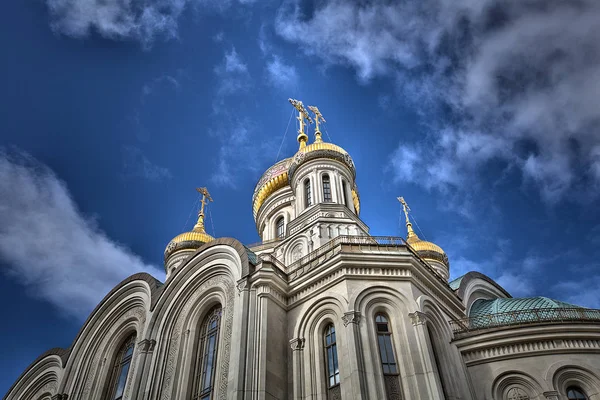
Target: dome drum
(320,150)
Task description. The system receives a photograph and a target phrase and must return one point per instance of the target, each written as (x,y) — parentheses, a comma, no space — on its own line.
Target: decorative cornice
(418,318)
(297,344)
(351,317)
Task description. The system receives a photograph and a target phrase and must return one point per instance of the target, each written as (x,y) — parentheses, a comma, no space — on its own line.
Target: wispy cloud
(50,247)
(135,20)
(168,80)
(137,165)
(514,81)
(232,78)
(281,75)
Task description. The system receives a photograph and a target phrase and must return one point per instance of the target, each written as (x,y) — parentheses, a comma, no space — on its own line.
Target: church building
(319,309)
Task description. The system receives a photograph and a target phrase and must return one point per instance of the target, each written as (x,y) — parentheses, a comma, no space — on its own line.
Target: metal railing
(344,240)
(525,317)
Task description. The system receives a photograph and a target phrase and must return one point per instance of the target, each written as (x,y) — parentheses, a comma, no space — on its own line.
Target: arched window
(344,193)
(118,380)
(517,394)
(438,366)
(332,368)
(575,393)
(280,228)
(307,193)
(204,376)
(388,360)
(326,189)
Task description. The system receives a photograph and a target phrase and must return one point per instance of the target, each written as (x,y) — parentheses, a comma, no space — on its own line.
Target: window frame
(307,193)
(280,228)
(123,359)
(326,186)
(207,333)
(580,392)
(388,346)
(332,367)
(344,194)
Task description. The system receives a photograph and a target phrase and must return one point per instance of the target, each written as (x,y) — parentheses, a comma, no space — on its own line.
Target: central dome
(321,150)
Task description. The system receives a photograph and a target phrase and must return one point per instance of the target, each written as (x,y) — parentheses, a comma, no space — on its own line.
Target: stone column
(356,386)
(146,349)
(297,346)
(430,388)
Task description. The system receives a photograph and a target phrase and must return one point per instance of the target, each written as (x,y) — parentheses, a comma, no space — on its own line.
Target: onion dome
(427,250)
(320,149)
(196,237)
(272,180)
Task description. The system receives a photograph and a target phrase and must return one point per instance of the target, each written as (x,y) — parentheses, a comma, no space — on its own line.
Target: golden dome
(272,180)
(425,249)
(196,237)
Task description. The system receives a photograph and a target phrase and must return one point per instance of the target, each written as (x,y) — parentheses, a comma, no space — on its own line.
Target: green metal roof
(251,256)
(490,307)
(456,283)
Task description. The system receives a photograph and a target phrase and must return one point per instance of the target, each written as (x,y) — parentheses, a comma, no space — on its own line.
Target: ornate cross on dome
(302,115)
(318,118)
(199,227)
(406,209)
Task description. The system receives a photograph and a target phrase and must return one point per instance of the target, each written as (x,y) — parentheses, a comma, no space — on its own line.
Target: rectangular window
(308,193)
(326,189)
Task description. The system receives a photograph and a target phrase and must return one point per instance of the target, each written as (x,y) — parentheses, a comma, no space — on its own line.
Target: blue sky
(482,115)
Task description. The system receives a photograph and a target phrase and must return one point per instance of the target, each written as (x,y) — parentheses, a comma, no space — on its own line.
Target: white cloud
(137,20)
(50,247)
(137,165)
(233,77)
(281,75)
(519,81)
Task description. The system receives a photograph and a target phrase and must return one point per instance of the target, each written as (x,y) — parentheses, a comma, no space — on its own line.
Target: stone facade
(275,301)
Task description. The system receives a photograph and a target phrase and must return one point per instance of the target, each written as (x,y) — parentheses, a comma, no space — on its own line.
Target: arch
(381,299)
(296,249)
(120,372)
(515,379)
(475,285)
(207,282)
(568,376)
(206,347)
(310,325)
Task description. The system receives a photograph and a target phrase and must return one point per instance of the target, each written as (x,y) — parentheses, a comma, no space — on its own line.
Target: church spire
(318,118)
(409,228)
(199,227)
(302,116)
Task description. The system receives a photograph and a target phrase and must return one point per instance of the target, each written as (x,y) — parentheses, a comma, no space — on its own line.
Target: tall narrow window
(333,371)
(307,193)
(326,189)
(280,228)
(575,393)
(384,340)
(344,193)
(120,371)
(388,360)
(204,378)
(438,367)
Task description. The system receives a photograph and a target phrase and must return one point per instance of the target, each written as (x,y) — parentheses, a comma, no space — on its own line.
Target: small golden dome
(425,249)
(196,237)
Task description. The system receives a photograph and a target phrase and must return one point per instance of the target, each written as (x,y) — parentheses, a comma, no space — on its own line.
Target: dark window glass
(575,393)
(204,378)
(307,193)
(333,371)
(344,194)
(121,368)
(280,228)
(326,189)
(384,341)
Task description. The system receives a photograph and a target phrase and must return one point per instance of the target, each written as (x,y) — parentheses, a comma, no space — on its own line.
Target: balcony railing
(525,317)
